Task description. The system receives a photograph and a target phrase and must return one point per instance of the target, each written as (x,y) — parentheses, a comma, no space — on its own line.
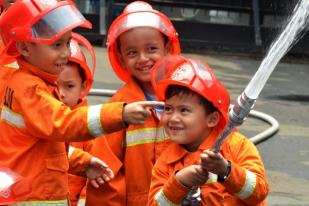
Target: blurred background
(243,26)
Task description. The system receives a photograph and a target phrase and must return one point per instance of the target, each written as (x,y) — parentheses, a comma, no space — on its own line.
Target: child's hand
(213,162)
(138,112)
(192,175)
(98,172)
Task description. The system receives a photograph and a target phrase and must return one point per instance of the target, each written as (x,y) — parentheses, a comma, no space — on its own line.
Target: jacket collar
(178,152)
(47,77)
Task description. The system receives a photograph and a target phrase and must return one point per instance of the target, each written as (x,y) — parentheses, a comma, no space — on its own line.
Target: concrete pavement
(285,97)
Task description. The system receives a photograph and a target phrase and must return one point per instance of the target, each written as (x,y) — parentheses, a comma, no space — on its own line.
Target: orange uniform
(246,184)
(142,145)
(34,126)
(77,184)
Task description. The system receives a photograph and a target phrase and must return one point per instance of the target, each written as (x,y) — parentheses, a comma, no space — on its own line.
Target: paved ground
(285,97)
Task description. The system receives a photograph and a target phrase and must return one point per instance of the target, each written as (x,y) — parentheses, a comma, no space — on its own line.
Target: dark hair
(81,71)
(174,90)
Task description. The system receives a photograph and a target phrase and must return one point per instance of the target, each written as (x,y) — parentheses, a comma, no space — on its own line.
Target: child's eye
(56,45)
(70,86)
(131,53)
(184,110)
(152,49)
(167,108)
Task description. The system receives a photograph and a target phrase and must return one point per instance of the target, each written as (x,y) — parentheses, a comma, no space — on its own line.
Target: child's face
(140,48)
(185,120)
(70,85)
(49,58)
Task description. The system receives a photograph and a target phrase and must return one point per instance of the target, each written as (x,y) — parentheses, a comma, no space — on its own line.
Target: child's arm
(247,179)
(171,188)
(45,117)
(83,164)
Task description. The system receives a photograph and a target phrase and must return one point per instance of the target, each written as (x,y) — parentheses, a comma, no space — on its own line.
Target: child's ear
(84,85)
(167,48)
(23,48)
(213,119)
(120,58)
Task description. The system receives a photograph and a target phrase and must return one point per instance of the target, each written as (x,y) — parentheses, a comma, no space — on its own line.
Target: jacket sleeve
(165,189)
(78,161)
(46,117)
(247,179)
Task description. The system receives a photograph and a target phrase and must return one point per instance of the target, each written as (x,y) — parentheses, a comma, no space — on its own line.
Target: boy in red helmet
(74,83)
(34,125)
(195,113)
(135,41)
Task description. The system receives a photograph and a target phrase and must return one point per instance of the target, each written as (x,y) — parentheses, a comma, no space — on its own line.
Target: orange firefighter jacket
(77,184)
(246,184)
(138,146)
(34,125)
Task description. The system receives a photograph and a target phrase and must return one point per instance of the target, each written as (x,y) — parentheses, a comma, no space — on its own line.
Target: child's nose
(66,52)
(142,57)
(174,117)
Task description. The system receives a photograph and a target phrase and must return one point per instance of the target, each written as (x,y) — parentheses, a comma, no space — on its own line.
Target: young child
(135,41)
(34,125)
(195,113)
(74,83)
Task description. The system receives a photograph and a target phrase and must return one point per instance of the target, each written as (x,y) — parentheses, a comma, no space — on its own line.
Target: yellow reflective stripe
(43,203)
(144,136)
(71,150)
(212,178)
(12,118)
(249,186)
(12,65)
(162,200)
(81,202)
(94,120)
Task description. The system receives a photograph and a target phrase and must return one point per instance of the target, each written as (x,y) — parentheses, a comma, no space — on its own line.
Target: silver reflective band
(249,186)
(42,203)
(81,202)
(71,150)
(12,118)
(56,21)
(145,136)
(94,120)
(162,200)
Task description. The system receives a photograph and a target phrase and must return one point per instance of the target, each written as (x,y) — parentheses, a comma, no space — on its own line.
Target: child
(74,83)
(135,41)
(195,113)
(33,123)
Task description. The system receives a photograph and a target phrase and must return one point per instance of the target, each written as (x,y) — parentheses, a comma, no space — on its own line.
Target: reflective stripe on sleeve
(81,202)
(42,203)
(12,118)
(94,120)
(144,136)
(162,200)
(249,186)
(71,150)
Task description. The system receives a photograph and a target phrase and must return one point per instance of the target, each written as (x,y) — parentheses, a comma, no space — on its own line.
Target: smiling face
(186,120)
(71,85)
(49,58)
(140,48)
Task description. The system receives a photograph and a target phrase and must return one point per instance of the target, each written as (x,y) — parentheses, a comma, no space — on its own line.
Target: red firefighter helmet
(41,21)
(78,56)
(138,14)
(13,187)
(193,74)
